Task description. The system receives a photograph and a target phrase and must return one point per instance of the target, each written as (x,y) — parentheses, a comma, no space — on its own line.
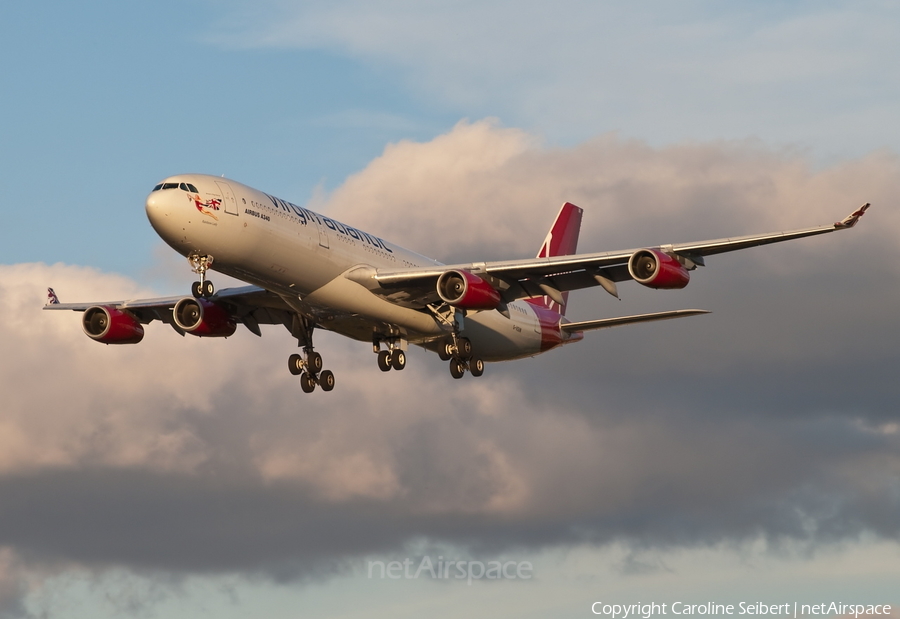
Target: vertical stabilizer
(562,240)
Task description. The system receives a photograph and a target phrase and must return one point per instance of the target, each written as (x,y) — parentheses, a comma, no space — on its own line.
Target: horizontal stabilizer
(604,323)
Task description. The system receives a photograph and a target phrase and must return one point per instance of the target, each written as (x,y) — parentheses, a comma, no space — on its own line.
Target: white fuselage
(305,258)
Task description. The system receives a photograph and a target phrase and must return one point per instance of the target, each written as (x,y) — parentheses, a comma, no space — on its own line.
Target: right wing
(251,305)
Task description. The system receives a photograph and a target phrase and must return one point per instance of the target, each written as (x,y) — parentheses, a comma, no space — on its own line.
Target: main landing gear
(200,264)
(459,352)
(308,366)
(394,358)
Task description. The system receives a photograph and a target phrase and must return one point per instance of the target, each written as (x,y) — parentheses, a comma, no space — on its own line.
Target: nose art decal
(203,206)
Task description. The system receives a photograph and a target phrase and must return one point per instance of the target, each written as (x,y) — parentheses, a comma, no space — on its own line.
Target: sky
(746,455)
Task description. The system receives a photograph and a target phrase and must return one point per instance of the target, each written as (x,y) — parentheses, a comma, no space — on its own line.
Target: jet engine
(467,291)
(111,326)
(655,269)
(203,318)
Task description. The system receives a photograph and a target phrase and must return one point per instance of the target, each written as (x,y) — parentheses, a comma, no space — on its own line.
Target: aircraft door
(323,233)
(228,198)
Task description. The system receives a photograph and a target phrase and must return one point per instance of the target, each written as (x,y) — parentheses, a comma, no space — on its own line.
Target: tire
(456,368)
(196,290)
(465,347)
(476,366)
(314,361)
(384,360)
(307,383)
(295,364)
(398,359)
(326,380)
(208,289)
(445,351)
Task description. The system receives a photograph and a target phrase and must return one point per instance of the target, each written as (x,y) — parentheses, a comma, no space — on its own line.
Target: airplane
(306,271)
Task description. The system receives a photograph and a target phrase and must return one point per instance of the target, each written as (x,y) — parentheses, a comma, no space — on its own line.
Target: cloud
(774,417)
(483,191)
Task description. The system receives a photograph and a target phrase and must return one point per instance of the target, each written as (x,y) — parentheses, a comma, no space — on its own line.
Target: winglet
(850,220)
(52,299)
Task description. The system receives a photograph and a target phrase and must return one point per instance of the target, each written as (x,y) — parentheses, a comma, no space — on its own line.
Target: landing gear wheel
(384,360)
(307,383)
(326,380)
(457,369)
(314,361)
(295,364)
(197,290)
(476,366)
(208,289)
(398,359)
(464,345)
(445,351)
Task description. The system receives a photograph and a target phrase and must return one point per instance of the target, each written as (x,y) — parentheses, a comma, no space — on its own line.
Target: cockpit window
(182,186)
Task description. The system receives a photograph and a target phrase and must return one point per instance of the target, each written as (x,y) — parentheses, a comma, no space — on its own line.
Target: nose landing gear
(200,264)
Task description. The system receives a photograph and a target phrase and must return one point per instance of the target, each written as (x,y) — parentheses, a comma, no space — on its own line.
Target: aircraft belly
(343,296)
(498,338)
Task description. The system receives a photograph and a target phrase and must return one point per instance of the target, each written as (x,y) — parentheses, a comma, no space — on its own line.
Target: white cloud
(769,418)
(484,191)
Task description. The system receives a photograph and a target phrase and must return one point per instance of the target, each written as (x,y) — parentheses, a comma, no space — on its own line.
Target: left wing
(517,279)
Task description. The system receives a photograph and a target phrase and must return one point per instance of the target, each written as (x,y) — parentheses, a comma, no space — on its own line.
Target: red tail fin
(562,240)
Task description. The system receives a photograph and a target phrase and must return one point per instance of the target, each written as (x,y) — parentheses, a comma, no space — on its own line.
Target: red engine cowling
(203,318)
(109,325)
(654,269)
(467,291)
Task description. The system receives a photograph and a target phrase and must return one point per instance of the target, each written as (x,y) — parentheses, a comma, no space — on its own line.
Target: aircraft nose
(163,215)
(156,209)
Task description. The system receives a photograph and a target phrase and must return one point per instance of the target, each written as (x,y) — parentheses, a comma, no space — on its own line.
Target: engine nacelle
(202,318)
(654,269)
(109,325)
(467,291)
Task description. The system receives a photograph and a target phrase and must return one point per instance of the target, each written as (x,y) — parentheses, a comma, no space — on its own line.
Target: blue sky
(109,98)
(101,100)
(748,455)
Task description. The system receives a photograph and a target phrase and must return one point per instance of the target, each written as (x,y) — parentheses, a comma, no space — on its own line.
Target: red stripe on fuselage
(551,336)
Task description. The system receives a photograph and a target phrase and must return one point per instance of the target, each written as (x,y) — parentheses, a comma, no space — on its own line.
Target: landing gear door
(228,198)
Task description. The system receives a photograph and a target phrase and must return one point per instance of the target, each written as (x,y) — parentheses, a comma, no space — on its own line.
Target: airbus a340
(307,271)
